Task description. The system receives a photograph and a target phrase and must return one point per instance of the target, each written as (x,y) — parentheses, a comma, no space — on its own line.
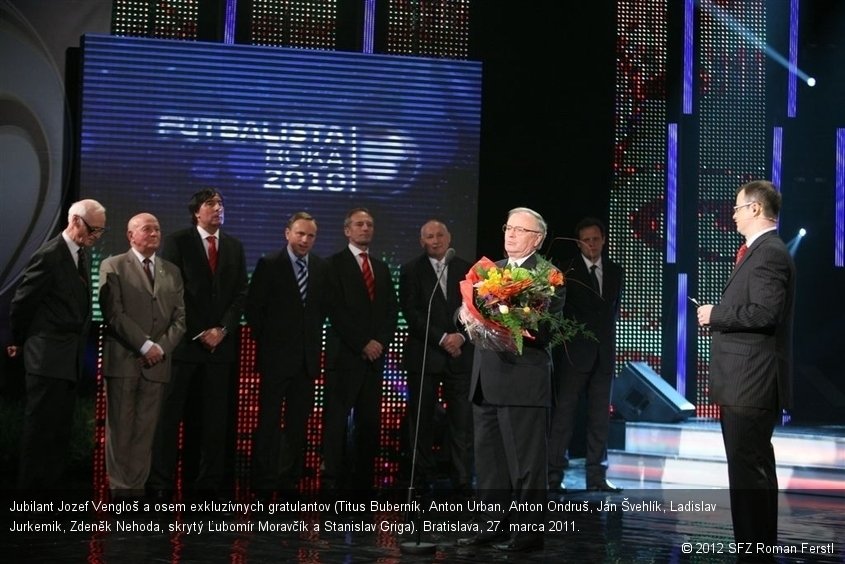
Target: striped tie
(302,277)
(369,279)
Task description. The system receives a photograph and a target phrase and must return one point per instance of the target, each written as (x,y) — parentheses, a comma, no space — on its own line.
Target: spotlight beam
(731,23)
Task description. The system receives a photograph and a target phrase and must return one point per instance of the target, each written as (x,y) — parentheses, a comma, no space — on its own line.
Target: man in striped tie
(363,323)
(286,308)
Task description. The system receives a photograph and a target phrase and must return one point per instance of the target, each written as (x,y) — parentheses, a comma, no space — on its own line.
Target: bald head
(144,233)
(435,239)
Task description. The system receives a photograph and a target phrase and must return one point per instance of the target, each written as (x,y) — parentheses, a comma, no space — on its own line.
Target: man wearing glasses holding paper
(751,362)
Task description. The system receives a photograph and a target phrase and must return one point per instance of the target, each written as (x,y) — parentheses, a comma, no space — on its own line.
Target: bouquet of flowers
(501,304)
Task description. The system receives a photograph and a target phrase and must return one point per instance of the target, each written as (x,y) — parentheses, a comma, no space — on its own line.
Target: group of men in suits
(172,339)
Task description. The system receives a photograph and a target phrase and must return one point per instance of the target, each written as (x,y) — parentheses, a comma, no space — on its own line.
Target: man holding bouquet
(511,391)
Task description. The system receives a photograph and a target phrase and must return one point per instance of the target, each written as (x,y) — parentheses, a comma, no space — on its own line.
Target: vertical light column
(368,33)
(681,334)
(839,198)
(792,84)
(777,155)
(689,45)
(229,19)
(671,193)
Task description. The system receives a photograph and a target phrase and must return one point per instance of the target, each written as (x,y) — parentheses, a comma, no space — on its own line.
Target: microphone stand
(419,547)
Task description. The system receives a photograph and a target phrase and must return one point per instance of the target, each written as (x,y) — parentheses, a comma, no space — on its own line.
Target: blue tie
(302,277)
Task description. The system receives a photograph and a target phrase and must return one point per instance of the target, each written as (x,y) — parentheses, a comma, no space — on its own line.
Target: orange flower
(556,277)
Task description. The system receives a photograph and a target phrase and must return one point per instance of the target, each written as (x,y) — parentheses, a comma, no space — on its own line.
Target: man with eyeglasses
(751,363)
(50,315)
(511,395)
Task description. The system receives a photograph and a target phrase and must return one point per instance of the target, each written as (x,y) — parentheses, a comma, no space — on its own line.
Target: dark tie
(369,279)
(740,254)
(212,253)
(594,279)
(302,277)
(80,265)
(149,272)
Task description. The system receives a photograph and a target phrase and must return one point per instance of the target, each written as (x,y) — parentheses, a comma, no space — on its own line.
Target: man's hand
(210,338)
(12,351)
(703,313)
(452,344)
(153,356)
(372,351)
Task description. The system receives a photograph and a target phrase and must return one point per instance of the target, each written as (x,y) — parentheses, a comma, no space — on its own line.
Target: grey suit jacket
(518,380)
(135,313)
(751,348)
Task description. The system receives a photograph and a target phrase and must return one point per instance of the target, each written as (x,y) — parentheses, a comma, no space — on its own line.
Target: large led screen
(277,131)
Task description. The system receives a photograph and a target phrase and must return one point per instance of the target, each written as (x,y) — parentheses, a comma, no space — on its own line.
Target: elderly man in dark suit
(141,300)
(50,315)
(363,321)
(594,291)
(511,395)
(213,269)
(429,295)
(287,304)
(751,362)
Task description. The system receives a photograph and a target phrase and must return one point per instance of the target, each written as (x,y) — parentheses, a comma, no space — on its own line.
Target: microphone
(423,547)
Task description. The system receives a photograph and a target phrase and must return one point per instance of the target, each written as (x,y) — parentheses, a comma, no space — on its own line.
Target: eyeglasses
(517,229)
(737,208)
(92,230)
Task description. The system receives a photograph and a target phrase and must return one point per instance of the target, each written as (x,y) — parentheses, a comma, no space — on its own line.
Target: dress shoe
(480,539)
(521,544)
(603,486)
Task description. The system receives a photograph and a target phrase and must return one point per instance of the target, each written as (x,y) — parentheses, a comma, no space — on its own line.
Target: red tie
(369,279)
(212,253)
(740,254)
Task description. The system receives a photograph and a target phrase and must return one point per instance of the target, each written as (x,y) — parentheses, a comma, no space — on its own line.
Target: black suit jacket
(598,312)
(751,347)
(50,313)
(417,280)
(285,330)
(354,318)
(211,300)
(518,380)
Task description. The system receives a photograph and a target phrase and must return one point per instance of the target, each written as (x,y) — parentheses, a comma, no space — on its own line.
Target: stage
(657,518)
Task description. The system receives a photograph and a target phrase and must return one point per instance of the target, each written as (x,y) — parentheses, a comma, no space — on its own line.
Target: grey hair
(540,221)
(83,207)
